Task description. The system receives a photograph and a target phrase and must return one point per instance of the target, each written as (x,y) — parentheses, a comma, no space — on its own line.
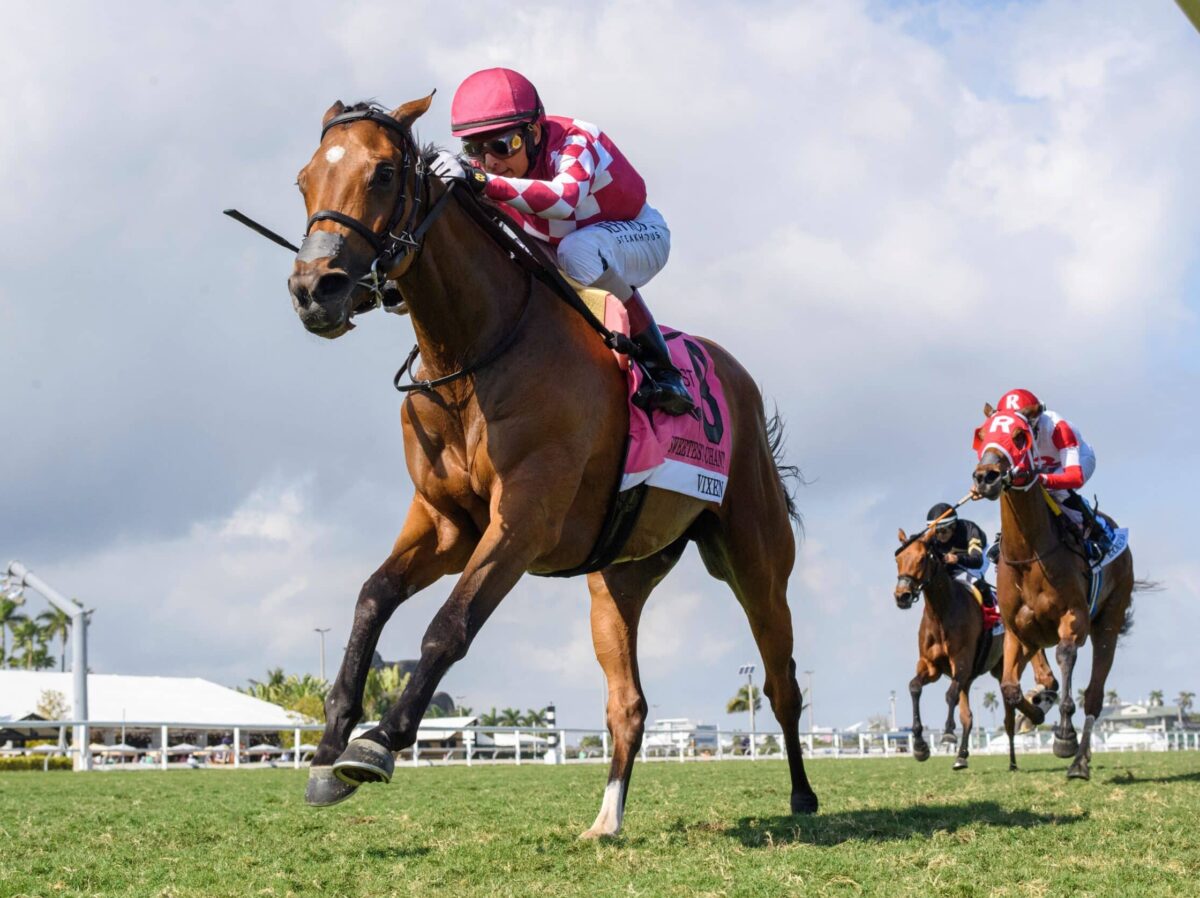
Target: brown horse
(952,641)
(516,455)
(1042,585)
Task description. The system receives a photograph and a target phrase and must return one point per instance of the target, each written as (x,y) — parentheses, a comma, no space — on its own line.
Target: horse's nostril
(331,283)
(303,297)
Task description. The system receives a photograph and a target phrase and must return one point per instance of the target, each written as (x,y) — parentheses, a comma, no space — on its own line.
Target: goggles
(501,147)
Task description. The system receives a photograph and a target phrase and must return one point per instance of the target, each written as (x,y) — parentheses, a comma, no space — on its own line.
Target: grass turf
(886,827)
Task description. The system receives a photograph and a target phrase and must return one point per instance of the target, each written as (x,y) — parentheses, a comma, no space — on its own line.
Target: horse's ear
(901,534)
(336,109)
(1030,412)
(988,411)
(412,110)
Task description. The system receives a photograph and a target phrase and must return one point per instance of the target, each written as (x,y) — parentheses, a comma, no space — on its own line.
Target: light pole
(322,631)
(811,726)
(18,577)
(748,671)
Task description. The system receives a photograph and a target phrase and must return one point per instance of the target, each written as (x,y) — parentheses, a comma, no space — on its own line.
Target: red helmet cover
(491,99)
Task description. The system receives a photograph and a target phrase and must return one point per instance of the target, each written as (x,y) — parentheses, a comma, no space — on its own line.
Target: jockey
(962,544)
(1064,462)
(566,183)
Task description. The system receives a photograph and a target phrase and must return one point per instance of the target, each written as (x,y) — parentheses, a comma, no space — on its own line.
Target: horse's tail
(790,476)
(1138,586)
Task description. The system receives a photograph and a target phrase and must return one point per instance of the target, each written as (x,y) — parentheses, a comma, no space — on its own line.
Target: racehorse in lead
(515,451)
(1043,582)
(952,641)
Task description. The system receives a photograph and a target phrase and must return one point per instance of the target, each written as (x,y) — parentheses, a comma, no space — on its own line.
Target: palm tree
(991,704)
(8,617)
(27,636)
(510,717)
(740,703)
(57,622)
(489,718)
(534,718)
(1184,701)
(1156,698)
(1111,698)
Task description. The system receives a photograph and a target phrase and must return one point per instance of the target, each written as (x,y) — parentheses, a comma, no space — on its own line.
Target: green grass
(886,828)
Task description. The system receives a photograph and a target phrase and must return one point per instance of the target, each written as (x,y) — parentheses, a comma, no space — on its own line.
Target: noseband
(402,236)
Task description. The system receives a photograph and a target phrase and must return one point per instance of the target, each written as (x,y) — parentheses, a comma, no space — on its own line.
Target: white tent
(141,701)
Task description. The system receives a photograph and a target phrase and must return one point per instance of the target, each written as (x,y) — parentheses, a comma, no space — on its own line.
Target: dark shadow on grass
(1129,778)
(391,853)
(884,825)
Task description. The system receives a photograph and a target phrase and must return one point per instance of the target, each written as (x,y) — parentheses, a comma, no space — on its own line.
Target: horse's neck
(463,292)
(1025,523)
(939,594)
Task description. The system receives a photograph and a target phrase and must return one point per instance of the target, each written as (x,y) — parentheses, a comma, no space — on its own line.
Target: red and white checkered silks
(580,178)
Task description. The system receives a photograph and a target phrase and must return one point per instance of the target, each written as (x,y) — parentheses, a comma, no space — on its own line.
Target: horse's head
(358,187)
(915,561)
(1004,444)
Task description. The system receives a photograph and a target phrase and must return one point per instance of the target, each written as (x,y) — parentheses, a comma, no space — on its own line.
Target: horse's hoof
(960,764)
(1012,768)
(1066,748)
(921,751)
(948,738)
(1079,772)
(325,789)
(804,803)
(593,834)
(364,761)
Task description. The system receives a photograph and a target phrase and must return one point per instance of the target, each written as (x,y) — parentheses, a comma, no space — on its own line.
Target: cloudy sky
(893,211)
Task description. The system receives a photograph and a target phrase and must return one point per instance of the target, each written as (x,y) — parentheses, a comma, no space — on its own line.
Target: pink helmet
(1015,400)
(491,99)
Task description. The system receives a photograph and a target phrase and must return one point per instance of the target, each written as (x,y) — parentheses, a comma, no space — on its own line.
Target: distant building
(672,734)
(142,703)
(1140,716)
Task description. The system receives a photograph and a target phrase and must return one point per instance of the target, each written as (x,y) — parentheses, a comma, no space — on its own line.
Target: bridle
(917,587)
(402,236)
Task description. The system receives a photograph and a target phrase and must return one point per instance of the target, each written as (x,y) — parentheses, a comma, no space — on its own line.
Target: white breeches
(637,250)
(1087,461)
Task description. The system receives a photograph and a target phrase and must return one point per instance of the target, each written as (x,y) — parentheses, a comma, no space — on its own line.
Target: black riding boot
(1093,534)
(666,389)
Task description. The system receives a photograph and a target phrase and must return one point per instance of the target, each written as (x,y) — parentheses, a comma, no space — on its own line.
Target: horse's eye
(383,176)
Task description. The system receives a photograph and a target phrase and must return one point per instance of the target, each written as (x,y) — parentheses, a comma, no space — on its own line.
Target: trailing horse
(1043,584)
(514,444)
(953,641)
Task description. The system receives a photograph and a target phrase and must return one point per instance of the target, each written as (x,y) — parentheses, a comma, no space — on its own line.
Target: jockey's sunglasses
(501,147)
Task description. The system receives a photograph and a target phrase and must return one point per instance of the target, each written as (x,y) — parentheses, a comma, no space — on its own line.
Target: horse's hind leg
(418,558)
(618,594)
(756,560)
(1105,632)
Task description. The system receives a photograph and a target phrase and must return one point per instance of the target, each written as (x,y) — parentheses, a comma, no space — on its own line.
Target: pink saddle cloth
(681,453)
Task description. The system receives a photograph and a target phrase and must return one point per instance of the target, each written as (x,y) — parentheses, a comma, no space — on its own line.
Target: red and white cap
(1015,400)
(491,100)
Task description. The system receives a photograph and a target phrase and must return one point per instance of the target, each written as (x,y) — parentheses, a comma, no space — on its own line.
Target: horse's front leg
(1066,742)
(952,693)
(968,720)
(926,673)
(513,540)
(428,547)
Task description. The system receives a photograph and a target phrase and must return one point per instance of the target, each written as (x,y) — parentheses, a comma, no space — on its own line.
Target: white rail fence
(442,744)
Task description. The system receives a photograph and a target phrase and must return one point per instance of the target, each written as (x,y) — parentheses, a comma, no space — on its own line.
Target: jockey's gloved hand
(449,167)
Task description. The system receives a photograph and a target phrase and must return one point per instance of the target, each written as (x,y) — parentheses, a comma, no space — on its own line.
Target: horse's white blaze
(612,810)
(333,154)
